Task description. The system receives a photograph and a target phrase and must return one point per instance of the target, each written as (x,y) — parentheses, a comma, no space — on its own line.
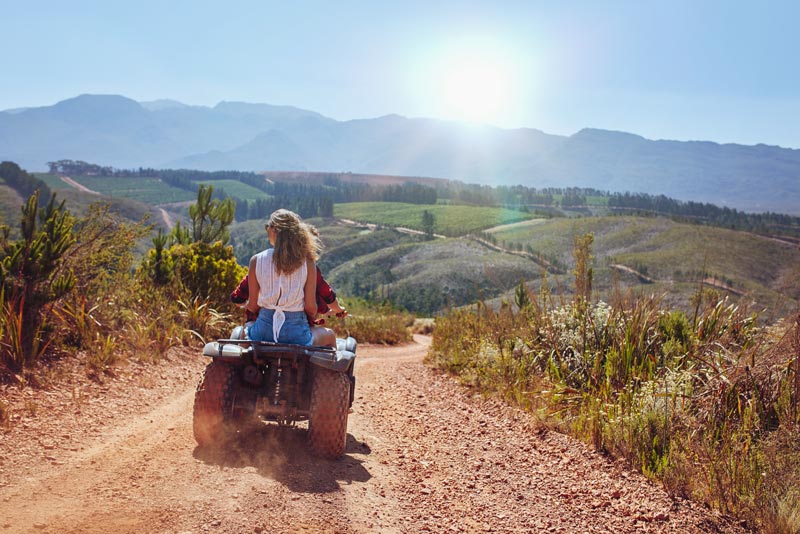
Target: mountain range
(121,132)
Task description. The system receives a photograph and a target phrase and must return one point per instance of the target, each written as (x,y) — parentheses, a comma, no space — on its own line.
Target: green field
(148,190)
(235,188)
(53,181)
(450,220)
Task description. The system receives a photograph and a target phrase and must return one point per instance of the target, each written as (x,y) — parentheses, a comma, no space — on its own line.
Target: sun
(475,86)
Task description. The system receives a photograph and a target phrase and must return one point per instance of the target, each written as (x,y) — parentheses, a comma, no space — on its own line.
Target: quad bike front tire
(327,418)
(213,404)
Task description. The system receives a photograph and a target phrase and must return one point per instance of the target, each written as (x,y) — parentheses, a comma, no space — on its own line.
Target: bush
(207,271)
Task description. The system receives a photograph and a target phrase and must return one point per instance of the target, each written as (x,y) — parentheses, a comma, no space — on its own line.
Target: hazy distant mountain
(118,131)
(162,103)
(271,149)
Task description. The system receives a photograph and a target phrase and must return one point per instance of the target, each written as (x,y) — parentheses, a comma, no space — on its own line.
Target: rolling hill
(647,255)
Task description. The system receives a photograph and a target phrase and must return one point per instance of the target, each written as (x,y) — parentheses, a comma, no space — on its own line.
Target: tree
(159,265)
(22,182)
(31,274)
(211,217)
(521,297)
(428,223)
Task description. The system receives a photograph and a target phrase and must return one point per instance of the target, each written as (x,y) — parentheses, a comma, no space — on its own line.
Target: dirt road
(69,181)
(423,455)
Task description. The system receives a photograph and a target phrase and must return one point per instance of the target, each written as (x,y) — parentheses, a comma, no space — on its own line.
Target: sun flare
(475,87)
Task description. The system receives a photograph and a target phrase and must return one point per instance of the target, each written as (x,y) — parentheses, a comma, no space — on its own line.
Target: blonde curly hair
(294,242)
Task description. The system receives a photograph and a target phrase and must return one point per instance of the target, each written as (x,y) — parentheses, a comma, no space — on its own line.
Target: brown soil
(423,455)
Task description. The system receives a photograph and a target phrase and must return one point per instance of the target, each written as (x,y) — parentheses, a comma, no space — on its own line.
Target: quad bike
(249,381)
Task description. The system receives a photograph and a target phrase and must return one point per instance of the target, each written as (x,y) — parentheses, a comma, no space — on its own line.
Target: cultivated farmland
(451,220)
(148,190)
(235,188)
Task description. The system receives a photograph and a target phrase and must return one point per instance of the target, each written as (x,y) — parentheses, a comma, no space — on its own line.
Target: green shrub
(32,277)
(208,271)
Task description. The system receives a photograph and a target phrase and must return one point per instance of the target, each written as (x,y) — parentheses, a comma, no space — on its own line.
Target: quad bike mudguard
(240,350)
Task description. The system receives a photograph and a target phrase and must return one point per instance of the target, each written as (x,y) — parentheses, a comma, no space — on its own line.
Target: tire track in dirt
(423,455)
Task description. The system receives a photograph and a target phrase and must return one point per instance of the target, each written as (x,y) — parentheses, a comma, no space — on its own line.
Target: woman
(280,285)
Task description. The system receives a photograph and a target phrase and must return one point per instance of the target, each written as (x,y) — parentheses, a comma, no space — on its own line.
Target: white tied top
(279,292)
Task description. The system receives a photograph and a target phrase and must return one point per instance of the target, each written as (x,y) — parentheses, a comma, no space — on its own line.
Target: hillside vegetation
(427,277)
(655,254)
(675,256)
(451,220)
(652,255)
(235,188)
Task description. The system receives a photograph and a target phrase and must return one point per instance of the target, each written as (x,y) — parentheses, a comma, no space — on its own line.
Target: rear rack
(240,350)
(269,346)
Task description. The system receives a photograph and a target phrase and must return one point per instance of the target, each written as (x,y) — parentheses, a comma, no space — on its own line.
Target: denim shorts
(295,329)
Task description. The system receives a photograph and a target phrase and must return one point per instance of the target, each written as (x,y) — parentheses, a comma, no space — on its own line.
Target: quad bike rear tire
(327,419)
(213,404)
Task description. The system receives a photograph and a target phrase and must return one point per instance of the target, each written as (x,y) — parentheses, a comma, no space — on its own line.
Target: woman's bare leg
(323,337)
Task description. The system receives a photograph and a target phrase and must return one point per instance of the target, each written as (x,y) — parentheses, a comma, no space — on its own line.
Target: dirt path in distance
(166,218)
(423,455)
(69,181)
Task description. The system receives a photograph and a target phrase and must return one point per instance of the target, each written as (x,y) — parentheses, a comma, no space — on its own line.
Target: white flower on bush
(664,394)
(569,327)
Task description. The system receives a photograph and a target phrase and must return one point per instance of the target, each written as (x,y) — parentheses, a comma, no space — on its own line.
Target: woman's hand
(336,309)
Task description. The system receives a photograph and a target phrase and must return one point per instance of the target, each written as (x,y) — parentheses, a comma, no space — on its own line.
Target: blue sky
(716,70)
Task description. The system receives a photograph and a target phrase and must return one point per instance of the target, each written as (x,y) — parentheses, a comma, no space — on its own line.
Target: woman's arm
(253,287)
(310,291)
(324,289)
(240,295)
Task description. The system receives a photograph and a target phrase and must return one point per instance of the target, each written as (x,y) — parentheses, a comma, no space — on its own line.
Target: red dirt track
(423,455)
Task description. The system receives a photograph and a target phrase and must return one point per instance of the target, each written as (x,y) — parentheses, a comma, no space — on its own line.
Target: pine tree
(31,274)
(428,223)
(211,217)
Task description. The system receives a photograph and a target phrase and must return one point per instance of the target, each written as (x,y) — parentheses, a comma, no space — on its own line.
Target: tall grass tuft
(21,344)
(202,321)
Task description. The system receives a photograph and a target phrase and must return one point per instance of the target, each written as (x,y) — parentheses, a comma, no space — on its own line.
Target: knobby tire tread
(327,425)
(212,404)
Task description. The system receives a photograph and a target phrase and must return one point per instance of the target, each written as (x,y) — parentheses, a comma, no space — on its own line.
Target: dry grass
(423,326)
(708,405)
(369,323)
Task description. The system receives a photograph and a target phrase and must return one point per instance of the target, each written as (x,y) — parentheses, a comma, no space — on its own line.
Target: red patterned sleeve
(241,293)
(325,294)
